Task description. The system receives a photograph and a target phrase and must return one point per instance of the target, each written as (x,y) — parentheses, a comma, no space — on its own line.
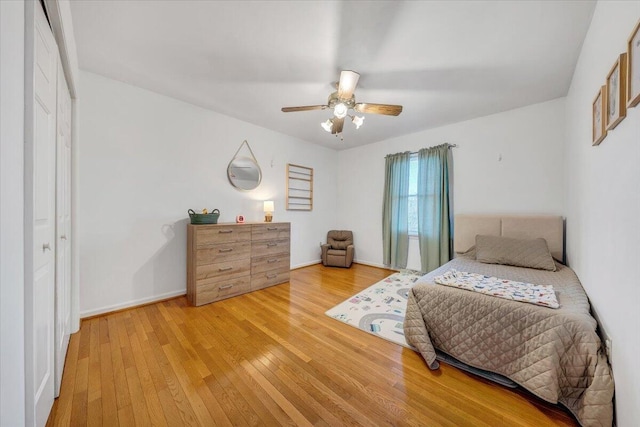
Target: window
(416,205)
(413,195)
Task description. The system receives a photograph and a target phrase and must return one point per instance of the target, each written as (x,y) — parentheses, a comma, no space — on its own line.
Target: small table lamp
(268,210)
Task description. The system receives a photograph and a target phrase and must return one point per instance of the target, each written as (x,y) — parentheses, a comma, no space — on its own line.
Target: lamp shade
(268,206)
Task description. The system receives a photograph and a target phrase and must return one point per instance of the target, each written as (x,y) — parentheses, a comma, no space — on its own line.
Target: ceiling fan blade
(304,108)
(337,125)
(347,84)
(388,110)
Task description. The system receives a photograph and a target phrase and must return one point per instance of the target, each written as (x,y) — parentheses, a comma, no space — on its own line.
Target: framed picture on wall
(598,130)
(633,67)
(616,92)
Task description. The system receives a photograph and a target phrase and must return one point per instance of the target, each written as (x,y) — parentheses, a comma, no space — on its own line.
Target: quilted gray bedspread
(556,354)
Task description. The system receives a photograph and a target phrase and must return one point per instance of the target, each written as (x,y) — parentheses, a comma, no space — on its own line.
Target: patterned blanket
(502,288)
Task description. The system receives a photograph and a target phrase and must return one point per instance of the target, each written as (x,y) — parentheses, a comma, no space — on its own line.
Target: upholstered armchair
(339,249)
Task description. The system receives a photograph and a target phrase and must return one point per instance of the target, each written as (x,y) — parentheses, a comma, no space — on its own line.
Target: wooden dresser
(225,260)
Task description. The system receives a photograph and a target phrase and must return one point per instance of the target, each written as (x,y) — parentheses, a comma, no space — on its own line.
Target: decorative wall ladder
(299,188)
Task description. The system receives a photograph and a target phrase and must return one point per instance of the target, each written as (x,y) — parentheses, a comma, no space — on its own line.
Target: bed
(556,354)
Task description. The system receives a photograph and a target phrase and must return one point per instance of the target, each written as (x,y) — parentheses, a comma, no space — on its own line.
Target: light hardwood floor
(271,357)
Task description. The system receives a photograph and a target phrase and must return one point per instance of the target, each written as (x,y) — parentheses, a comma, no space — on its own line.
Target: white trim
(30,13)
(370,264)
(306,264)
(59,13)
(148,300)
(12,334)
(75,240)
(132,303)
(374,264)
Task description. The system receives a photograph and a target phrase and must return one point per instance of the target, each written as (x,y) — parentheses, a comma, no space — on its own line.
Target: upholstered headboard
(549,227)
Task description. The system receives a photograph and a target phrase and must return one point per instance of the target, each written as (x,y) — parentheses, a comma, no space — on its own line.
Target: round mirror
(244,173)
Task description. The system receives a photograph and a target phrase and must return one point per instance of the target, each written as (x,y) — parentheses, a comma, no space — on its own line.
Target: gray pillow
(530,253)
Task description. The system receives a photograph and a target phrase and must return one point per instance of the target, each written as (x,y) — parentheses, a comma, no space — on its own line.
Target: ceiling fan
(343,100)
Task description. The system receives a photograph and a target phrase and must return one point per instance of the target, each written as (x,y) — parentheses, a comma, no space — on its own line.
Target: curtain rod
(448,146)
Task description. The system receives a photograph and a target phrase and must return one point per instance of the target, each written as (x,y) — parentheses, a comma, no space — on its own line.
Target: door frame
(12,387)
(59,14)
(12,254)
(62,287)
(38,396)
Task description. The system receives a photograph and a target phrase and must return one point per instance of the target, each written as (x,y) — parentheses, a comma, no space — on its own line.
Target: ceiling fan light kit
(327,125)
(343,100)
(357,120)
(340,110)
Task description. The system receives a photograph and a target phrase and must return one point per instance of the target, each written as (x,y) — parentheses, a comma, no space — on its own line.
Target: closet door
(63,228)
(41,65)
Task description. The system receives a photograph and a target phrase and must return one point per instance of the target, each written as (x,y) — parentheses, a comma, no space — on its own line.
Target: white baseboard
(373,264)
(306,264)
(133,303)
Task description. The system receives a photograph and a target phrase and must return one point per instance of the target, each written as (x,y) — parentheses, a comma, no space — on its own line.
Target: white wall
(528,179)
(12,380)
(144,160)
(603,202)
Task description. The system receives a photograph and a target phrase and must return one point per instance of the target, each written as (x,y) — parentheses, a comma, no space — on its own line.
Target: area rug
(380,310)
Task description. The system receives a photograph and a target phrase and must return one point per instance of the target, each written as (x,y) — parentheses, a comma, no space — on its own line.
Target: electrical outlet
(607,347)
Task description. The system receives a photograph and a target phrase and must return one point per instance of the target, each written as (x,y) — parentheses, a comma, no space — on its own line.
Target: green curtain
(395,210)
(434,213)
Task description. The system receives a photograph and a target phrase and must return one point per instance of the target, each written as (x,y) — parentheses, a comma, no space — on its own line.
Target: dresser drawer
(212,235)
(223,252)
(275,231)
(213,291)
(271,247)
(269,278)
(223,270)
(268,263)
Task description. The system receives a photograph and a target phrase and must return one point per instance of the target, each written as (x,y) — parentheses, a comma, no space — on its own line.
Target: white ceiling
(444,61)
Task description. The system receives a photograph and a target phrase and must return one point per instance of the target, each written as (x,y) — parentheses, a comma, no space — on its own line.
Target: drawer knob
(272,244)
(225,231)
(226,286)
(225,268)
(271,261)
(272,276)
(272,228)
(225,250)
